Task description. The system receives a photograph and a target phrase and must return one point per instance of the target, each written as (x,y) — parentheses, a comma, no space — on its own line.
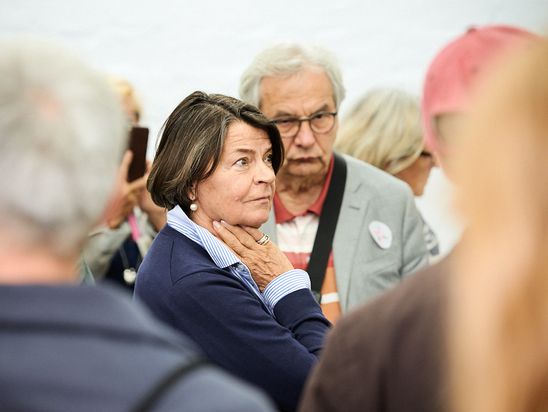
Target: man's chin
(304,169)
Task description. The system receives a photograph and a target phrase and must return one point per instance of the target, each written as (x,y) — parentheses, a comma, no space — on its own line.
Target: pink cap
(449,79)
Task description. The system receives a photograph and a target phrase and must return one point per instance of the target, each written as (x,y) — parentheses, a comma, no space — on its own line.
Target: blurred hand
(126,194)
(266,262)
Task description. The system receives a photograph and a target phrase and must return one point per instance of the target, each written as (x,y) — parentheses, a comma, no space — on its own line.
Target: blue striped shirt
(224,258)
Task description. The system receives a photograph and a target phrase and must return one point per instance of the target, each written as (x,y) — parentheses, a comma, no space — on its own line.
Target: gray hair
(286,59)
(62,133)
(383,129)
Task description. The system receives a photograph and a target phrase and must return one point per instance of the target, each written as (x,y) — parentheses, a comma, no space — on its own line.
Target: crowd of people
(275,253)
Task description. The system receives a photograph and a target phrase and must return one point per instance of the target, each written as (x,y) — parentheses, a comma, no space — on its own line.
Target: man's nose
(305,137)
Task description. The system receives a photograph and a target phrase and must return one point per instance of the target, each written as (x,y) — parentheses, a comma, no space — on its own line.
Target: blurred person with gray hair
(65,346)
(354,228)
(384,129)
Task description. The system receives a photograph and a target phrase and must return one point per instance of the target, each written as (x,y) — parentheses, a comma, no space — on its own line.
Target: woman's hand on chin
(265,261)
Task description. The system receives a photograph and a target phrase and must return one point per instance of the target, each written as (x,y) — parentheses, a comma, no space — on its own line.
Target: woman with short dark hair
(211,272)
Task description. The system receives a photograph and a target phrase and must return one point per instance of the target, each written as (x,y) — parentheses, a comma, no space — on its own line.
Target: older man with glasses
(354,228)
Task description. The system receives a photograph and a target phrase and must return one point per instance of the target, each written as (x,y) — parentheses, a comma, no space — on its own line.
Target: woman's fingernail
(223,222)
(216,224)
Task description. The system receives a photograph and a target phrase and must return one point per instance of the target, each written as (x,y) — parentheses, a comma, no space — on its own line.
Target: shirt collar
(283,215)
(217,250)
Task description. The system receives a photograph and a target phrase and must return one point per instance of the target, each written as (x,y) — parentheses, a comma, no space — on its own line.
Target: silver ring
(264,240)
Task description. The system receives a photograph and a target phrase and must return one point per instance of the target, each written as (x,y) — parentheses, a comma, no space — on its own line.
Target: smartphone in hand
(138,140)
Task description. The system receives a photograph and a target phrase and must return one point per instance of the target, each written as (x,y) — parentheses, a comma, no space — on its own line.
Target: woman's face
(241,188)
(416,174)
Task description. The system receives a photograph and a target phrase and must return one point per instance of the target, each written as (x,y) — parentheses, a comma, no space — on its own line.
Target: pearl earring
(193,207)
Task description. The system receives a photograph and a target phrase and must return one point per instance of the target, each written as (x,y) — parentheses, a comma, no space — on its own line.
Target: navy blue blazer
(181,284)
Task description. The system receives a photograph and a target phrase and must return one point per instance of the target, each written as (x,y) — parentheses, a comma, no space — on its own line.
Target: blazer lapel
(347,235)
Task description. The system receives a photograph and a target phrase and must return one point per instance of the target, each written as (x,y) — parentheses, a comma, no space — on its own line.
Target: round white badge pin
(381,234)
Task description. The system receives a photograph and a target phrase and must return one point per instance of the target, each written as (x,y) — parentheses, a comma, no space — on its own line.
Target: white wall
(169,48)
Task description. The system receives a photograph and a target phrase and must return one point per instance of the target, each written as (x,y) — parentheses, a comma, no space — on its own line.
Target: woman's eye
(242,162)
(268,159)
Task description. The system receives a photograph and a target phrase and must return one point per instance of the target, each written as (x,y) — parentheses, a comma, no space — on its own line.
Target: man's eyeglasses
(320,123)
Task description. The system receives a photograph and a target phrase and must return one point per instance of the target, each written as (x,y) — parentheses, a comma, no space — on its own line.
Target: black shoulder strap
(147,402)
(327,225)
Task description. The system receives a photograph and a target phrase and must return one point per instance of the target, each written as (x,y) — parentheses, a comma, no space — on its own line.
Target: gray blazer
(363,269)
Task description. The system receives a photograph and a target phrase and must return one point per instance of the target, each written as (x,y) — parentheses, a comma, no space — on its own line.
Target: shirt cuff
(285,284)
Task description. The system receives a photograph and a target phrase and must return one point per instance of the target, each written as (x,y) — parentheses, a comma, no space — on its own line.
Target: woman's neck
(201,219)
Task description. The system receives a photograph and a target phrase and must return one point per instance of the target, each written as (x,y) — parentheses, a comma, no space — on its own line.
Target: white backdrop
(169,48)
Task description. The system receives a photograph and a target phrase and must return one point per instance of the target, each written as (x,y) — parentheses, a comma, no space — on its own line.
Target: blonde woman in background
(500,296)
(384,129)
(128,97)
